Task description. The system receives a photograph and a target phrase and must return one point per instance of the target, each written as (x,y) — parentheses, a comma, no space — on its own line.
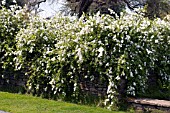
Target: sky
(49,9)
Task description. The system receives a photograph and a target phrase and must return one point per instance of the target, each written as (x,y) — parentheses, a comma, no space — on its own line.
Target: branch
(134,6)
(37,3)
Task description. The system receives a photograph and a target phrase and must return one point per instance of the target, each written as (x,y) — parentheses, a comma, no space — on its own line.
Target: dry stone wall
(95,87)
(11,81)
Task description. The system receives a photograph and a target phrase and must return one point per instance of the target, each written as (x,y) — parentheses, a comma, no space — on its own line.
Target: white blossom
(117,78)
(79,54)
(156,41)
(53,59)
(100,50)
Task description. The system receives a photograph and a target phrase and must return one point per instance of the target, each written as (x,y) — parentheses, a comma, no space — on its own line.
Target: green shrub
(11,21)
(123,52)
(37,55)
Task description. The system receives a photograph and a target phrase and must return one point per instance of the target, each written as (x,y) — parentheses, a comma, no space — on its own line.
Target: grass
(16,103)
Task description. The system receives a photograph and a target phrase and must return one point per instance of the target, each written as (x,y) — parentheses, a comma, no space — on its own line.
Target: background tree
(153,8)
(157,8)
(93,6)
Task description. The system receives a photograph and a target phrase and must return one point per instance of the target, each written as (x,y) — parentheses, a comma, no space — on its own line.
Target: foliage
(61,51)
(37,54)
(11,21)
(123,53)
(143,48)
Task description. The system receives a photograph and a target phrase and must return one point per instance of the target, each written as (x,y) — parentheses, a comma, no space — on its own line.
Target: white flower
(79,55)
(31,50)
(52,82)
(45,89)
(37,87)
(53,59)
(45,38)
(48,52)
(144,63)
(131,74)
(55,92)
(110,70)
(122,41)
(107,64)
(76,40)
(100,50)
(134,83)
(46,71)
(148,51)
(98,20)
(156,41)
(14,1)
(29,87)
(117,78)
(127,37)
(18,53)
(138,46)
(86,30)
(3,2)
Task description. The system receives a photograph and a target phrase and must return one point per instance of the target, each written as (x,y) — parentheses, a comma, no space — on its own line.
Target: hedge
(128,53)
(11,21)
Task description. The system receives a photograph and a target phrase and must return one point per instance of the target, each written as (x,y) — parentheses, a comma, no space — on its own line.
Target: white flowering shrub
(38,54)
(121,52)
(142,47)
(11,21)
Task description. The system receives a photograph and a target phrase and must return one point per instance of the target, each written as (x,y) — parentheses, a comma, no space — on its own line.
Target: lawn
(16,103)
